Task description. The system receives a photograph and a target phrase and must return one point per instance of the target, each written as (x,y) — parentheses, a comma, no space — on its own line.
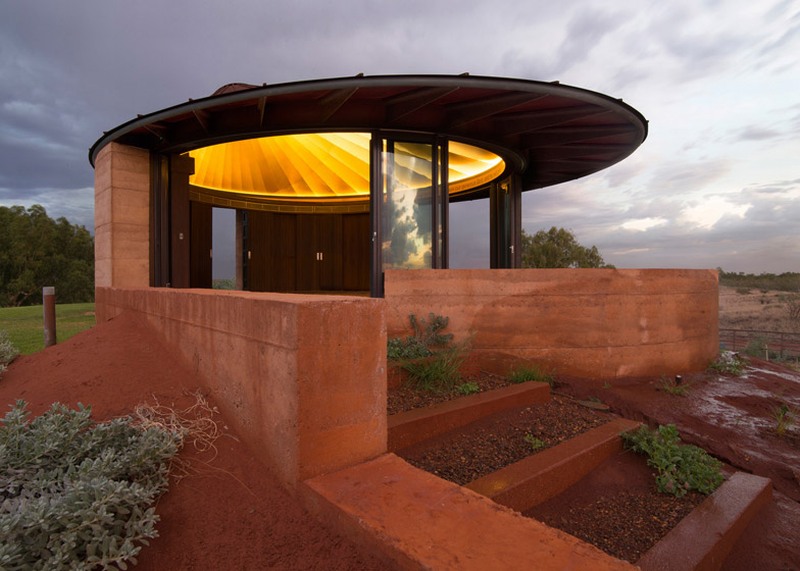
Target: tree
(558,248)
(37,251)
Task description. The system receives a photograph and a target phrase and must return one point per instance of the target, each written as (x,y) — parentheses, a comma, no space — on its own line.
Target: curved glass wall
(312,168)
(403,182)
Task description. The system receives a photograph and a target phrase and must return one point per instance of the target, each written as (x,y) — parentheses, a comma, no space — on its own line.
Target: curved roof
(550,133)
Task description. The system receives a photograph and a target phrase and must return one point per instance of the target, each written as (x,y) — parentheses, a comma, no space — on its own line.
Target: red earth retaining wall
(303,377)
(598,323)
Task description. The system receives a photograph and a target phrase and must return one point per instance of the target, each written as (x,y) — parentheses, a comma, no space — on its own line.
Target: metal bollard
(49,309)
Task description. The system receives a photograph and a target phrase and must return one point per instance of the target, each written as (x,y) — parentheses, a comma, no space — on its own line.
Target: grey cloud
(778,46)
(777,187)
(756,133)
(681,176)
(756,242)
(584,33)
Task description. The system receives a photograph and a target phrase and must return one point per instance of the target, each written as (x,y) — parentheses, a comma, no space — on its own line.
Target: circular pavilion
(335,180)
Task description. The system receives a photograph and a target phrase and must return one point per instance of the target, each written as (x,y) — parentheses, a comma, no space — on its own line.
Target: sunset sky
(716,184)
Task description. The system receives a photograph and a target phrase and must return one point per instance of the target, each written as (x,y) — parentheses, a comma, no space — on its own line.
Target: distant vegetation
(37,251)
(787,281)
(229,283)
(558,248)
(25,330)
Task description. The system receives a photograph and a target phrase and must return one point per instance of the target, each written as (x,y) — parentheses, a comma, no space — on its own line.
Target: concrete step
(414,520)
(700,542)
(413,426)
(703,539)
(537,478)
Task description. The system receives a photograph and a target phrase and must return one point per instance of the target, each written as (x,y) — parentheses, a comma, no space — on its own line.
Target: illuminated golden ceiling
(325,166)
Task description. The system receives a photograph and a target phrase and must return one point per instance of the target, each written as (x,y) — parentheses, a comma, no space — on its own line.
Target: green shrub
(438,373)
(399,349)
(784,418)
(536,443)
(469,388)
(671,386)
(7,351)
(530,373)
(429,331)
(728,363)
(427,336)
(226,284)
(75,495)
(680,467)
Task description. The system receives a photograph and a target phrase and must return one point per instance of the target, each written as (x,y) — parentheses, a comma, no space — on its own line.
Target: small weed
(536,443)
(439,372)
(681,467)
(784,418)
(606,385)
(530,373)
(728,363)
(468,388)
(672,387)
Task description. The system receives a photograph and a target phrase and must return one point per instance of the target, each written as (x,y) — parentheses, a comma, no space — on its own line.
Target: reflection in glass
(406,210)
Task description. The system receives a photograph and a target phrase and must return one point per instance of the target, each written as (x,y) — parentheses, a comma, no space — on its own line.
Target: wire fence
(781,345)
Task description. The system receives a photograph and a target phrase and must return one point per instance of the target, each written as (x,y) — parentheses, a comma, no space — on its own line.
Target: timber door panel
(356,247)
(283,276)
(271,243)
(258,224)
(319,252)
(308,252)
(200,243)
(329,244)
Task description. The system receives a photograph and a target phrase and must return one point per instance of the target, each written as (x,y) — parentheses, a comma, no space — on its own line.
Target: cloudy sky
(716,184)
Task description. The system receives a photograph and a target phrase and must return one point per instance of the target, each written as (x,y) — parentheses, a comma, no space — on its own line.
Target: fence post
(49,309)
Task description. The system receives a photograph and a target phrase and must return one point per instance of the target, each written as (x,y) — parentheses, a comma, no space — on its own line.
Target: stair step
(414,520)
(409,428)
(703,539)
(537,478)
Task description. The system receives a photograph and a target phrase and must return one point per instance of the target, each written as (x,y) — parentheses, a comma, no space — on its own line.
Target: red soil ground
(229,512)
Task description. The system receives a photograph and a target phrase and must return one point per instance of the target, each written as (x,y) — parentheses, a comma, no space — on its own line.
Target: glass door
(408,205)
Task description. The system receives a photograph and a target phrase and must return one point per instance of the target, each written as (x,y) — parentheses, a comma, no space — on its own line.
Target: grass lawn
(25,327)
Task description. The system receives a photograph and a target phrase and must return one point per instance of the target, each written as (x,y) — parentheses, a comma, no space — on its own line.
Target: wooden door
(356,242)
(308,252)
(200,241)
(329,246)
(271,252)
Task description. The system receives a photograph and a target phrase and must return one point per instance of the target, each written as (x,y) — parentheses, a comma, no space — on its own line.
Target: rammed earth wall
(598,323)
(302,377)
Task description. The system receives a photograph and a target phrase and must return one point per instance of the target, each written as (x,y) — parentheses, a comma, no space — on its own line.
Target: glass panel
(406,224)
